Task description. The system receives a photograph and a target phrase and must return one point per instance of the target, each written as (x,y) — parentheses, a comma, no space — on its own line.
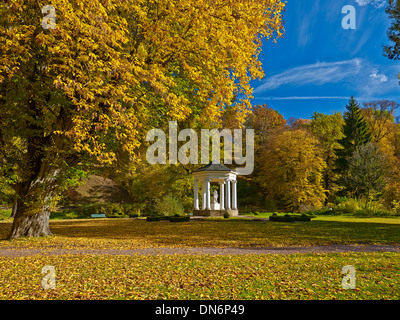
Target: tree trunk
(14,209)
(31,225)
(33,206)
(367,200)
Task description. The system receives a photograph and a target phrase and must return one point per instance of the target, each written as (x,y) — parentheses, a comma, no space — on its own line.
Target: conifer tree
(356,133)
(393,11)
(393,51)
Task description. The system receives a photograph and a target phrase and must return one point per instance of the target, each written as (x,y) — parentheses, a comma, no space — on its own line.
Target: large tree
(380,116)
(292,168)
(356,132)
(264,121)
(393,10)
(385,133)
(329,130)
(367,171)
(108,72)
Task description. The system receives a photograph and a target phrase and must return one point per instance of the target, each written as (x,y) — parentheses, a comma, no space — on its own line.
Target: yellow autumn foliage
(292,169)
(122,63)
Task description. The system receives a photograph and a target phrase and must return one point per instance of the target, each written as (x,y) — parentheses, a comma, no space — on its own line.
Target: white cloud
(307,98)
(315,74)
(317,98)
(375,3)
(376,78)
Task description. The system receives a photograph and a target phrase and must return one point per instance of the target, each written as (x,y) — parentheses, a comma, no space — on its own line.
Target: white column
(234,195)
(204,197)
(196,194)
(228,194)
(222,195)
(208,201)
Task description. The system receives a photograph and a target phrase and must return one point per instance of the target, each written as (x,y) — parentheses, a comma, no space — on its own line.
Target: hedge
(169,218)
(291,218)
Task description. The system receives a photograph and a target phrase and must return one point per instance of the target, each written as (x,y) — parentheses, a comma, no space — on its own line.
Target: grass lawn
(309,276)
(137,233)
(5,214)
(298,276)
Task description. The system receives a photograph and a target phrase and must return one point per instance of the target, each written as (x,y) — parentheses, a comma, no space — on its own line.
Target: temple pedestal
(215,213)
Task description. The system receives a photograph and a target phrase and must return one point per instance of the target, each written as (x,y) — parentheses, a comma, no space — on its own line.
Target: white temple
(215,172)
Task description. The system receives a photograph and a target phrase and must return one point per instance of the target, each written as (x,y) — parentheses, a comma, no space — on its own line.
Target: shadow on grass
(235,233)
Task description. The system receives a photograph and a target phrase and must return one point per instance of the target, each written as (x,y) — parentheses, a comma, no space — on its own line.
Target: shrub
(349,206)
(249,209)
(154,218)
(131,210)
(373,212)
(179,218)
(168,206)
(285,218)
(133,215)
(270,205)
(226,215)
(303,217)
(84,211)
(307,208)
(117,216)
(340,200)
(291,217)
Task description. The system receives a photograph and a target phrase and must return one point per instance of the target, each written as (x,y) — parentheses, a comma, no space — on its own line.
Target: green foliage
(393,11)
(285,218)
(356,207)
(329,130)
(116,210)
(366,171)
(110,210)
(73,176)
(168,206)
(270,204)
(81,212)
(174,218)
(179,219)
(226,215)
(350,205)
(154,218)
(291,217)
(7,194)
(248,208)
(148,183)
(356,133)
(375,212)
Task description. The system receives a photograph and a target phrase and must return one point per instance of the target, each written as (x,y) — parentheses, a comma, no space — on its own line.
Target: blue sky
(318,65)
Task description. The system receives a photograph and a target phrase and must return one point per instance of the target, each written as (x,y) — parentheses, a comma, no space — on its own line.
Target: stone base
(215,213)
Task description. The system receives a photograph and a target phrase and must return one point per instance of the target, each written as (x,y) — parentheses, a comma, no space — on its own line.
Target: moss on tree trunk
(33,206)
(31,225)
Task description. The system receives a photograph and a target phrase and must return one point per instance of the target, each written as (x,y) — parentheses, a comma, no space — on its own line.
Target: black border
(145,309)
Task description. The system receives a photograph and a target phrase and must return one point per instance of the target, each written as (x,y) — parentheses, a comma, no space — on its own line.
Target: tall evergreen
(356,133)
(393,11)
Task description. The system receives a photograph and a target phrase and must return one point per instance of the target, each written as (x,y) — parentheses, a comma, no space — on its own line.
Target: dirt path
(9,252)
